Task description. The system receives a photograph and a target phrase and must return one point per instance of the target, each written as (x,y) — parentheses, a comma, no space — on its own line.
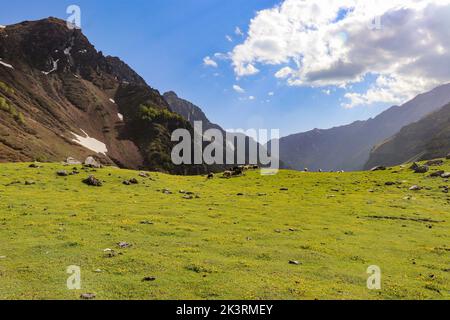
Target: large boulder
(91,163)
(72,161)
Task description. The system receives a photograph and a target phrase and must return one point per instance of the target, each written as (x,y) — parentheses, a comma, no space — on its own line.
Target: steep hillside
(61,97)
(189,111)
(426,139)
(348,147)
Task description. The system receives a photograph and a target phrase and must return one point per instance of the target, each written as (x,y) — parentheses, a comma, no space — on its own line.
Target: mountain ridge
(348,147)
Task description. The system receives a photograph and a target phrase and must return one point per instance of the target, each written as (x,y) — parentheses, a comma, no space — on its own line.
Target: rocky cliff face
(60,97)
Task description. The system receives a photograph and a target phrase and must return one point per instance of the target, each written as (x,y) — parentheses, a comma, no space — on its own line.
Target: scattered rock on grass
(88,296)
(29,182)
(62,173)
(90,162)
(34,166)
(438,162)
(294,262)
(415,188)
(378,168)
(436,174)
(422,169)
(149,279)
(390,183)
(92,181)
(445,175)
(124,245)
(72,161)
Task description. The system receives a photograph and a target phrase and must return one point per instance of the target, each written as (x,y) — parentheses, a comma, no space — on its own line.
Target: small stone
(390,183)
(88,296)
(34,166)
(134,181)
(438,162)
(29,182)
(378,168)
(149,279)
(415,188)
(62,173)
(445,175)
(294,262)
(437,174)
(143,175)
(124,245)
(284,189)
(146,222)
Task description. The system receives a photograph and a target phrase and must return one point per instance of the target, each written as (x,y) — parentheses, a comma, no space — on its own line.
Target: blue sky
(166,41)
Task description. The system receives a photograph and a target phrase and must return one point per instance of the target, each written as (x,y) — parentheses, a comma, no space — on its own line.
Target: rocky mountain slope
(426,139)
(348,147)
(189,111)
(60,97)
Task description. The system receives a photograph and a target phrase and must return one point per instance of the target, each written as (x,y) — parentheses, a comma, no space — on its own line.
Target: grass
(223,245)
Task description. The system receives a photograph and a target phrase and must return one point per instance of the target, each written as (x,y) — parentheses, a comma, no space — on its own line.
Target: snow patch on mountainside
(120,116)
(90,143)
(6,64)
(2,26)
(55,67)
(112,100)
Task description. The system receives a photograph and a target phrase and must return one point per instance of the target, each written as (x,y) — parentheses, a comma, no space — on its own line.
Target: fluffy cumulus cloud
(208,62)
(402,44)
(238,89)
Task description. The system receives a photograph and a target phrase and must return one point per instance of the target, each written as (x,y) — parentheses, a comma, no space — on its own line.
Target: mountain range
(60,97)
(349,147)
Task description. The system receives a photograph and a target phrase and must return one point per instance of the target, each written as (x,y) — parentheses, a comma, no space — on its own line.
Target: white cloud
(335,43)
(230,39)
(251,98)
(326,91)
(238,32)
(238,89)
(271,94)
(208,62)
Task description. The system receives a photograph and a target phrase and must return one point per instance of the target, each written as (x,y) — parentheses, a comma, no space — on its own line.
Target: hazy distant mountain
(426,139)
(348,147)
(192,113)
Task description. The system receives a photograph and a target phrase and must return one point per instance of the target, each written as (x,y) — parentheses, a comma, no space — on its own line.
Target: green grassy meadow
(234,241)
